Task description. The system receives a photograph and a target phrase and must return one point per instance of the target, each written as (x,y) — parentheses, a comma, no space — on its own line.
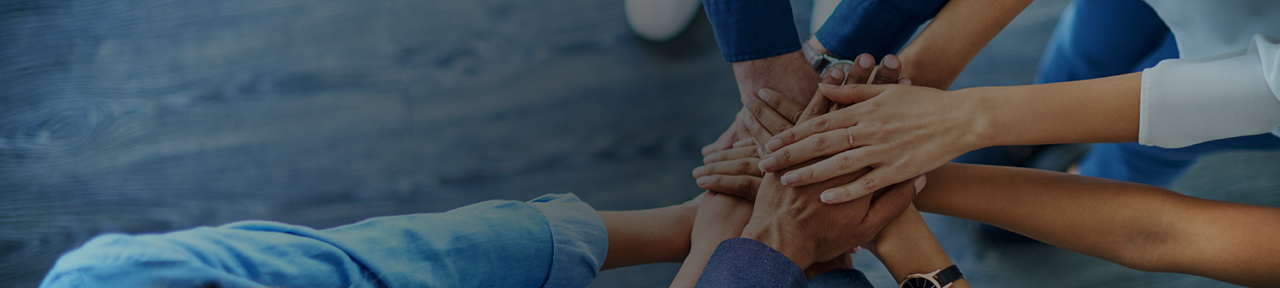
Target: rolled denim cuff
(579,238)
(879,27)
(752,29)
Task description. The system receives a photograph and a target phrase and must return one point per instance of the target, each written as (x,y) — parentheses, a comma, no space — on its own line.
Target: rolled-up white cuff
(1185,102)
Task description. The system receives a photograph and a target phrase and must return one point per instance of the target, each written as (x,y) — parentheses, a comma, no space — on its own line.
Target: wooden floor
(150,116)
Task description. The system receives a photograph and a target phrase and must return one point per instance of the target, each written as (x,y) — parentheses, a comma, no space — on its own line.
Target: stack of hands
(780,201)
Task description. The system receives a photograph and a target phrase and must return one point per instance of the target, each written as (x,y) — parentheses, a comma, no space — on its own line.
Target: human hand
(720,217)
(792,221)
(735,170)
(902,133)
(789,73)
(771,114)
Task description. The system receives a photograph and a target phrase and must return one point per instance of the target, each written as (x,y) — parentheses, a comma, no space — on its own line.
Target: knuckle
(819,143)
(844,162)
(868,184)
(820,124)
(787,137)
(782,127)
(743,167)
(804,175)
(784,156)
(742,186)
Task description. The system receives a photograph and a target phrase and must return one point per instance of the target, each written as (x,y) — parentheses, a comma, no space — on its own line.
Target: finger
(852,93)
(861,71)
(782,105)
(760,134)
(875,180)
(745,166)
(889,69)
(744,143)
(904,81)
(840,164)
(818,106)
(810,127)
(835,76)
(741,185)
(765,115)
(888,205)
(730,154)
(725,141)
(821,144)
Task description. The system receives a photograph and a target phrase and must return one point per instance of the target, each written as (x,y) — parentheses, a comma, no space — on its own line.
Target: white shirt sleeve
(1185,102)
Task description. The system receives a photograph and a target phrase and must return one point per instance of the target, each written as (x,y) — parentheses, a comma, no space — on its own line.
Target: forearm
(906,246)
(648,236)
(1089,111)
(1139,226)
(956,35)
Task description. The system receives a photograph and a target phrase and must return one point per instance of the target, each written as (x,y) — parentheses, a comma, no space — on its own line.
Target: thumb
(852,93)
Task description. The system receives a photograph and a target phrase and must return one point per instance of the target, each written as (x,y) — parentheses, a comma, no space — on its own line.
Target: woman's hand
(720,217)
(900,131)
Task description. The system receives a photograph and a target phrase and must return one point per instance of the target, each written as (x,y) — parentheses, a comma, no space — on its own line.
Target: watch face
(918,282)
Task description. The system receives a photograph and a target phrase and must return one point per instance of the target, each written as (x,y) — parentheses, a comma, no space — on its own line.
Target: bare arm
(1089,111)
(906,246)
(956,35)
(648,236)
(1138,226)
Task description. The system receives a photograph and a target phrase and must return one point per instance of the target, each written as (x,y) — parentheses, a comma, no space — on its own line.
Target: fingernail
(697,172)
(703,181)
(891,62)
(773,145)
(866,61)
(904,81)
(920,184)
(857,249)
(825,85)
(828,196)
(790,178)
(838,74)
(765,95)
(767,164)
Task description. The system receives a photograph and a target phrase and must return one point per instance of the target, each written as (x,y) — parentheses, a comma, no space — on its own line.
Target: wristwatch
(936,279)
(823,63)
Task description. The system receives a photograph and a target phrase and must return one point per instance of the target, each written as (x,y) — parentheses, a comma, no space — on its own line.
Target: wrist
(798,250)
(789,74)
(817,46)
(981,130)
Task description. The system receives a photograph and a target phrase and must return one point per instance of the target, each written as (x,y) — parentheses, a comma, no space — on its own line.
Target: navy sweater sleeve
(755,29)
(742,262)
(752,29)
(878,27)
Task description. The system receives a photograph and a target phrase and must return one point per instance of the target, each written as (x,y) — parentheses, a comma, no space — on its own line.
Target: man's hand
(793,220)
(789,74)
(797,224)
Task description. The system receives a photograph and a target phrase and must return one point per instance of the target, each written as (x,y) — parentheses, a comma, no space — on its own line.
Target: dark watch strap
(946,276)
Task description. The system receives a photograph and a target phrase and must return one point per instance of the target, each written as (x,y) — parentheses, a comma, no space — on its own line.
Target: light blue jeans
(551,241)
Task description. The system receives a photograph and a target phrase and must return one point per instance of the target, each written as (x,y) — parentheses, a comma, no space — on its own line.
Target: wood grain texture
(151,116)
